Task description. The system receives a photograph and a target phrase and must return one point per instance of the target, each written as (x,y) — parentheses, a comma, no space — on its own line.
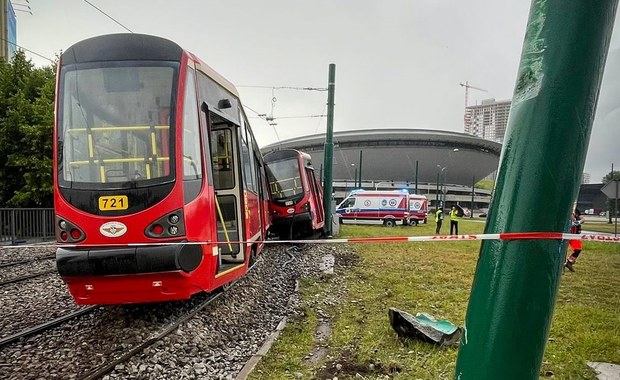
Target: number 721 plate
(113,202)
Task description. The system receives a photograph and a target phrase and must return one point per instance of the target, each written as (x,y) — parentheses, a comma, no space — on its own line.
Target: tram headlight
(170,224)
(62,225)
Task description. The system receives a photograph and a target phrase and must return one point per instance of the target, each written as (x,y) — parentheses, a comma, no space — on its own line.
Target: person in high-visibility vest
(454,221)
(438,220)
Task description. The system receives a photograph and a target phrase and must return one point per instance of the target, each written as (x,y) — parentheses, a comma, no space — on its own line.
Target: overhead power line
(28,50)
(288,88)
(108,16)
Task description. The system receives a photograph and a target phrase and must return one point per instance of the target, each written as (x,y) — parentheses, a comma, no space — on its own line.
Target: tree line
(26,130)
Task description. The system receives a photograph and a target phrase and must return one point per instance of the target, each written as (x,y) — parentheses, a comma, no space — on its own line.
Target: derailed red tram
(296,197)
(158,177)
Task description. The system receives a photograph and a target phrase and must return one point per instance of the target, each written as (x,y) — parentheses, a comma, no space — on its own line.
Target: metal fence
(19,225)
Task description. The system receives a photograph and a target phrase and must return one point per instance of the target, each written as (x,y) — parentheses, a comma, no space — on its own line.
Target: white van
(371,206)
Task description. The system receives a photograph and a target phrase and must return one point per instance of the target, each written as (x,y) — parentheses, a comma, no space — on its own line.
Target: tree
(26,129)
(611,176)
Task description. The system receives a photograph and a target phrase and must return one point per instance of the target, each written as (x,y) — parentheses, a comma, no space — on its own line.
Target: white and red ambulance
(372,206)
(418,209)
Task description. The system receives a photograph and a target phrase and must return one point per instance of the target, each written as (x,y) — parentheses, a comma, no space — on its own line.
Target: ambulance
(418,209)
(371,206)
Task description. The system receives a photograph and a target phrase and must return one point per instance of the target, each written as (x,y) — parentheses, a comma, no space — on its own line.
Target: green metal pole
(516,282)
(473,186)
(437,191)
(416,177)
(611,177)
(329,149)
(360,170)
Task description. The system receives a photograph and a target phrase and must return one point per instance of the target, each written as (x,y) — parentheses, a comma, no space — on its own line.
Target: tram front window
(115,125)
(284,179)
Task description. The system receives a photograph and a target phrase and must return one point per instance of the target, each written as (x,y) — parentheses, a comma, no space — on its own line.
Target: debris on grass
(424,327)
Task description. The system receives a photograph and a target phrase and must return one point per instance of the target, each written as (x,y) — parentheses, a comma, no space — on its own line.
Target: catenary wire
(108,16)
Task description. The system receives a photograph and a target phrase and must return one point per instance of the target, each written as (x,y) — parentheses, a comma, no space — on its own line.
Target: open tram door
(228,191)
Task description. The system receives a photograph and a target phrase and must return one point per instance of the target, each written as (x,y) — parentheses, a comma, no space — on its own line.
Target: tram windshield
(284,179)
(115,124)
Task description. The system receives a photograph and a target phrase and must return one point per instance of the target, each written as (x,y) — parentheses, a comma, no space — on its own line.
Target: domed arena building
(447,163)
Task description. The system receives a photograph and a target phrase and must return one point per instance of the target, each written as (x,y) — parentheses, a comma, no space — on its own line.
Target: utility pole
(416,176)
(360,170)
(473,186)
(516,282)
(437,192)
(611,178)
(329,150)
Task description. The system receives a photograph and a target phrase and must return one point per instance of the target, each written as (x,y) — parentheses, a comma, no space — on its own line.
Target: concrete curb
(251,364)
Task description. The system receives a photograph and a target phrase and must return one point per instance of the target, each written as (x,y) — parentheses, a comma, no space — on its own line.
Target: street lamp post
(441,180)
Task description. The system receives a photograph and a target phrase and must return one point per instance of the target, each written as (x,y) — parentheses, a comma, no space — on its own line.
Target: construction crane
(467,87)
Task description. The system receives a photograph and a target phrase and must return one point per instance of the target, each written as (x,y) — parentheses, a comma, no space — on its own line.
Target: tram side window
(222,153)
(192,162)
(248,169)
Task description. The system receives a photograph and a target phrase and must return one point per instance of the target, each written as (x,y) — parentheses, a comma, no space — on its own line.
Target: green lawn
(435,278)
(601,227)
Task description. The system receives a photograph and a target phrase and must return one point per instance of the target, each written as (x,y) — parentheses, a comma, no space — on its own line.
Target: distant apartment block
(488,120)
(585,178)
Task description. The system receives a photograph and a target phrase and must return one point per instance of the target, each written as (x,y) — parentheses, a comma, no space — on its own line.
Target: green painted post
(437,192)
(516,282)
(473,190)
(416,177)
(360,170)
(329,150)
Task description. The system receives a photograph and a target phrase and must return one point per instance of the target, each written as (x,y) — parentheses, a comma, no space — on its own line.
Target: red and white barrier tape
(501,236)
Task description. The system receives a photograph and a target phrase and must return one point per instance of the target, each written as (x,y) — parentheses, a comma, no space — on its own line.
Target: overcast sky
(398,63)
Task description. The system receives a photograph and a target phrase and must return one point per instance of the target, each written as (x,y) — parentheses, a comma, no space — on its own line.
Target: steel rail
(105,368)
(27,277)
(6,265)
(45,326)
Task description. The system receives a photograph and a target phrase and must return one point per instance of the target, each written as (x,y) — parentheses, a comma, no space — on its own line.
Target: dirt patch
(348,365)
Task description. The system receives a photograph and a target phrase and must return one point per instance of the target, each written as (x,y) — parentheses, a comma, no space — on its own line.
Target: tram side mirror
(224,104)
(204,107)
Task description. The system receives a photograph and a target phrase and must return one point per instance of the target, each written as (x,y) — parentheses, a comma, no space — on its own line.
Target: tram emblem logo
(113,229)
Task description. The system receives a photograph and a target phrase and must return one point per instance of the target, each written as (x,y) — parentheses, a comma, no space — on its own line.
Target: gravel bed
(32,302)
(215,344)
(32,267)
(10,254)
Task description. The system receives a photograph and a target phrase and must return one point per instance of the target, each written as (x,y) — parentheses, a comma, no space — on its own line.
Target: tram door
(227,191)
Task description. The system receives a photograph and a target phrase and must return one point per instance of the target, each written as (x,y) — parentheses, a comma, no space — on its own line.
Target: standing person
(575,245)
(454,221)
(438,220)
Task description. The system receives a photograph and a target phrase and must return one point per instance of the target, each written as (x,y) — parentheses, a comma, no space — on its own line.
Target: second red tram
(296,202)
(160,188)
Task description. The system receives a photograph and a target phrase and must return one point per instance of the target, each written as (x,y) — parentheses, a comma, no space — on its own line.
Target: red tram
(160,188)
(296,202)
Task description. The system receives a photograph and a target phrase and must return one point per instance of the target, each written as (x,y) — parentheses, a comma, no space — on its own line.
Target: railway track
(26,277)
(107,367)
(144,341)
(28,261)
(45,326)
